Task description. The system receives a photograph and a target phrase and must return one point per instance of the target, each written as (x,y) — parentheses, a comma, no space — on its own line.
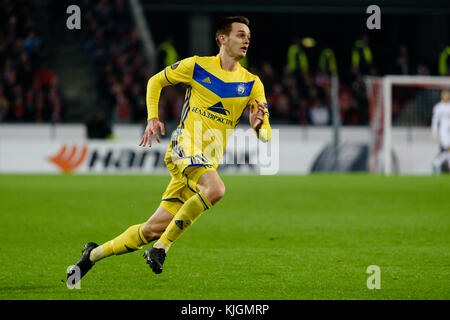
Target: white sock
(160,245)
(97,254)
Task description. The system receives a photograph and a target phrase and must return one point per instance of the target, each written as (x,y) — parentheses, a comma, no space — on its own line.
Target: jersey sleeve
(258,93)
(179,72)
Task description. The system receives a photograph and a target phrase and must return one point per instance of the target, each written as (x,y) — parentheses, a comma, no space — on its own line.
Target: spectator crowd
(296,94)
(300,93)
(29,89)
(114,49)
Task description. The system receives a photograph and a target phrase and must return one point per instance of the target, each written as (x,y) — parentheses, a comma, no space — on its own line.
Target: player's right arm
(179,72)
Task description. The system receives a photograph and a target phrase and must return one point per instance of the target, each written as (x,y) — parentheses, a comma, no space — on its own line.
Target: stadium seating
(29,88)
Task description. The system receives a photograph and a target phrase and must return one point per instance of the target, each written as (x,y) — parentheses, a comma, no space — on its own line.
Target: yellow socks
(132,239)
(185,217)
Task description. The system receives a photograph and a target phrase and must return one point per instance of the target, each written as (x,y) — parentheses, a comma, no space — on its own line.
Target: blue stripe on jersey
(139,234)
(221,88)
(175,147)
(206,207)
(178,131)
(187,107)
(185,116)
(165,75)
(170,199)
(187,183)
(185,102)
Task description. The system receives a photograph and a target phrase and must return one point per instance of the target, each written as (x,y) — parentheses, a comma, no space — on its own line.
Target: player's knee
(150,232)
(215,193)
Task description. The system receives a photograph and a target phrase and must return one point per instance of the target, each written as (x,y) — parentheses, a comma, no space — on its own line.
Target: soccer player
(219,90)
(441,121)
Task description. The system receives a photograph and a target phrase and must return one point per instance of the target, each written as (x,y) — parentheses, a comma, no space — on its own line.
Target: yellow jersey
(214,103)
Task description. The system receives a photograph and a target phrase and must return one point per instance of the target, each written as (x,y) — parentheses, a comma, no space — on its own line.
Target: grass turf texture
(271,237)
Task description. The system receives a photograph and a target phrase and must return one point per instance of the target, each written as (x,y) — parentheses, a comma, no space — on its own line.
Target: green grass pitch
(271,237)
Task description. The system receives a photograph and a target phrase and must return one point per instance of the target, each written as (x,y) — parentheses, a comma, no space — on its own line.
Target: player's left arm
(259,113)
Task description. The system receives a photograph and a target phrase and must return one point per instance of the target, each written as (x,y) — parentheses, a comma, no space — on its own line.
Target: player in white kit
(440,127)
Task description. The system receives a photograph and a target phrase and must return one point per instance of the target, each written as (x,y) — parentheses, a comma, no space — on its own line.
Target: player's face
(237,42)
(445,96)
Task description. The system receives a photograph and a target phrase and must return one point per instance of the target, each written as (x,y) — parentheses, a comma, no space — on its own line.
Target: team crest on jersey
(175,65)
(241,89)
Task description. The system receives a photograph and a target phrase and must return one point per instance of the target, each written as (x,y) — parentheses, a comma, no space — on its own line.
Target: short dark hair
(224,25)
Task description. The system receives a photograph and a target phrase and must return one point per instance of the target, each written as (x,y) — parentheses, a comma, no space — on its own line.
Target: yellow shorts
(183,185)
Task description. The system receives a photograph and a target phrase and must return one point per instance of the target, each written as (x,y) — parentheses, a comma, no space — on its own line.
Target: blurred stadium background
(321,66)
